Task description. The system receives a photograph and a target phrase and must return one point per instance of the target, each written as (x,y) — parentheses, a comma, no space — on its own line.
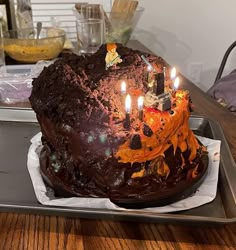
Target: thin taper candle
(127,111)
(140,108)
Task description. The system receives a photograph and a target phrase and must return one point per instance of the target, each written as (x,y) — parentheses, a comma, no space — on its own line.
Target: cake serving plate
(18,126)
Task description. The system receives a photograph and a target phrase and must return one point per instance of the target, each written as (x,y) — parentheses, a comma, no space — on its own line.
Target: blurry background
(60,13)
(193,35)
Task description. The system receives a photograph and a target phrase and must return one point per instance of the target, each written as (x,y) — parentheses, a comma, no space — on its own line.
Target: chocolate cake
(89,150)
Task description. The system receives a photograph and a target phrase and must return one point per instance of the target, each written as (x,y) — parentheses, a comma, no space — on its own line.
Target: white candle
(123,88)
(176,83)
(173,74)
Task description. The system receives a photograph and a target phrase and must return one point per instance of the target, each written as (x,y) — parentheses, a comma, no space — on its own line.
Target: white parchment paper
(205,193)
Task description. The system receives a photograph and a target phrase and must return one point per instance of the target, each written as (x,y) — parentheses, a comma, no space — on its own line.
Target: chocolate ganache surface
(87,149)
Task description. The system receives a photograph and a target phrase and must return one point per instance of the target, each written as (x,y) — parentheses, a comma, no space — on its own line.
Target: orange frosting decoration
(168,129)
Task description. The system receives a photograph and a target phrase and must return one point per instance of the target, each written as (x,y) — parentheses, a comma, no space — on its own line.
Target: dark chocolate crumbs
(135,142)
(147,130)
(90,66)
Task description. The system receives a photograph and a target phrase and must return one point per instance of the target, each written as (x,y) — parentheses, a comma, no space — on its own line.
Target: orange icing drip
(167,130)
(138,174)
(163,170)
(183,161)
(192,173)
(195,172)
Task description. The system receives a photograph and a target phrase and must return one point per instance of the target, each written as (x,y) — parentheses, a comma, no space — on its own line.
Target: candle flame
(128,104)
(123,87)
(173,73)
(164,71)
(176,83)
(140,103)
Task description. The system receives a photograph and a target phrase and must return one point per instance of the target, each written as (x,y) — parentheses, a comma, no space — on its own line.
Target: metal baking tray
(17,194)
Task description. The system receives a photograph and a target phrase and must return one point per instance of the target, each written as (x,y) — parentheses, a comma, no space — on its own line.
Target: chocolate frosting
(81,113)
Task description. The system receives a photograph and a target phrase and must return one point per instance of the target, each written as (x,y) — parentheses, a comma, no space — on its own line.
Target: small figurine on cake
(112,57)
(157,97)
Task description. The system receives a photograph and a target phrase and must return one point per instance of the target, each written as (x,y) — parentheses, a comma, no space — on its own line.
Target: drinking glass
(2,55)
(90,34)
(120,25)
(86,11)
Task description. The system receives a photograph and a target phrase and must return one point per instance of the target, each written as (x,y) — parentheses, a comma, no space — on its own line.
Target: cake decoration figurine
(162,100)
(102,138)
(160,83)
(112,57)
(150,79)
(151,72)
(150,67)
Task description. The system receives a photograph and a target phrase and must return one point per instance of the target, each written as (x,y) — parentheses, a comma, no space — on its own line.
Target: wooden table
(24,231)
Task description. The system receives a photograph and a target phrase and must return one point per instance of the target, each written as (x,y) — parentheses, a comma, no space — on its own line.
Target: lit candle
(173,74)
(128,104)
(176,83)
(123,88)
(150,71)
(127,111)
(164,72)
(140,108)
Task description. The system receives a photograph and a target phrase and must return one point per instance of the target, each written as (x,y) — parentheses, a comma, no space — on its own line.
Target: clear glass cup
(2,55)
(87,11)
(90,34)
(119,26)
